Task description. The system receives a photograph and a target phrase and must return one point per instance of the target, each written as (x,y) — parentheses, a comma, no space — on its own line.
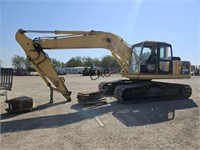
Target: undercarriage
(128,91)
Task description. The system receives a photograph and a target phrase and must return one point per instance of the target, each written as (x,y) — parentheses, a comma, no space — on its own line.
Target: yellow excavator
(140,63)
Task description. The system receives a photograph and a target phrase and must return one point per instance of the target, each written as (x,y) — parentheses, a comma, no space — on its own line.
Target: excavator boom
(34,49)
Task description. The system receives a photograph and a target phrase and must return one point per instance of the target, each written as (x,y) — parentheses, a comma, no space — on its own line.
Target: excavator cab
(151,58)
(155,59)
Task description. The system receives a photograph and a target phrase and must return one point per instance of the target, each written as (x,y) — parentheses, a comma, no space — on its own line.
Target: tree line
(22,65)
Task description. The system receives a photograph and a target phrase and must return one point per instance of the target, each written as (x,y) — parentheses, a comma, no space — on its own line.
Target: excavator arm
(34,49)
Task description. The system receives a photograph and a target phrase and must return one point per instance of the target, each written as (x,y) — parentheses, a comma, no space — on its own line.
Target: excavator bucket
(91,98)
(19,104)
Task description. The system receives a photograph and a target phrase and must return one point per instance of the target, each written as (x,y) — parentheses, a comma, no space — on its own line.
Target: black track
(143,91)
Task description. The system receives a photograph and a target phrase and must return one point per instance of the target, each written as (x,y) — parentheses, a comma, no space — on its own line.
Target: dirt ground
(61,125)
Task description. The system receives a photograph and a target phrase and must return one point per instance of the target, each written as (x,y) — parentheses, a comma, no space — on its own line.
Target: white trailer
(69,70)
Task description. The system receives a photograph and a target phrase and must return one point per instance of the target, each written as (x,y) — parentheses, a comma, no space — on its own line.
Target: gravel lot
(61,125)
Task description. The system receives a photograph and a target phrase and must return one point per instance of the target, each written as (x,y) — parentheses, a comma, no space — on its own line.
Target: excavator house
(140,63)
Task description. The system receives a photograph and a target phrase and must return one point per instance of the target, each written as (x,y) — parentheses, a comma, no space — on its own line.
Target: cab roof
(152,43)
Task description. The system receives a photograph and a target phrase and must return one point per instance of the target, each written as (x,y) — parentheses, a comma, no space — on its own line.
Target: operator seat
(151,62)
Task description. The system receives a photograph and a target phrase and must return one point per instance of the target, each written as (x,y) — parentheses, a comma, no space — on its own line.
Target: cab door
(165,60)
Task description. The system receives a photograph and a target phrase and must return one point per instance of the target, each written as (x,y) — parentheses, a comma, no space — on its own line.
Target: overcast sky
(174,21)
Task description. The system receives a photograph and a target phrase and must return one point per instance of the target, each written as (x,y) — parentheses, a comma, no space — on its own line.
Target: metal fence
(6,76)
